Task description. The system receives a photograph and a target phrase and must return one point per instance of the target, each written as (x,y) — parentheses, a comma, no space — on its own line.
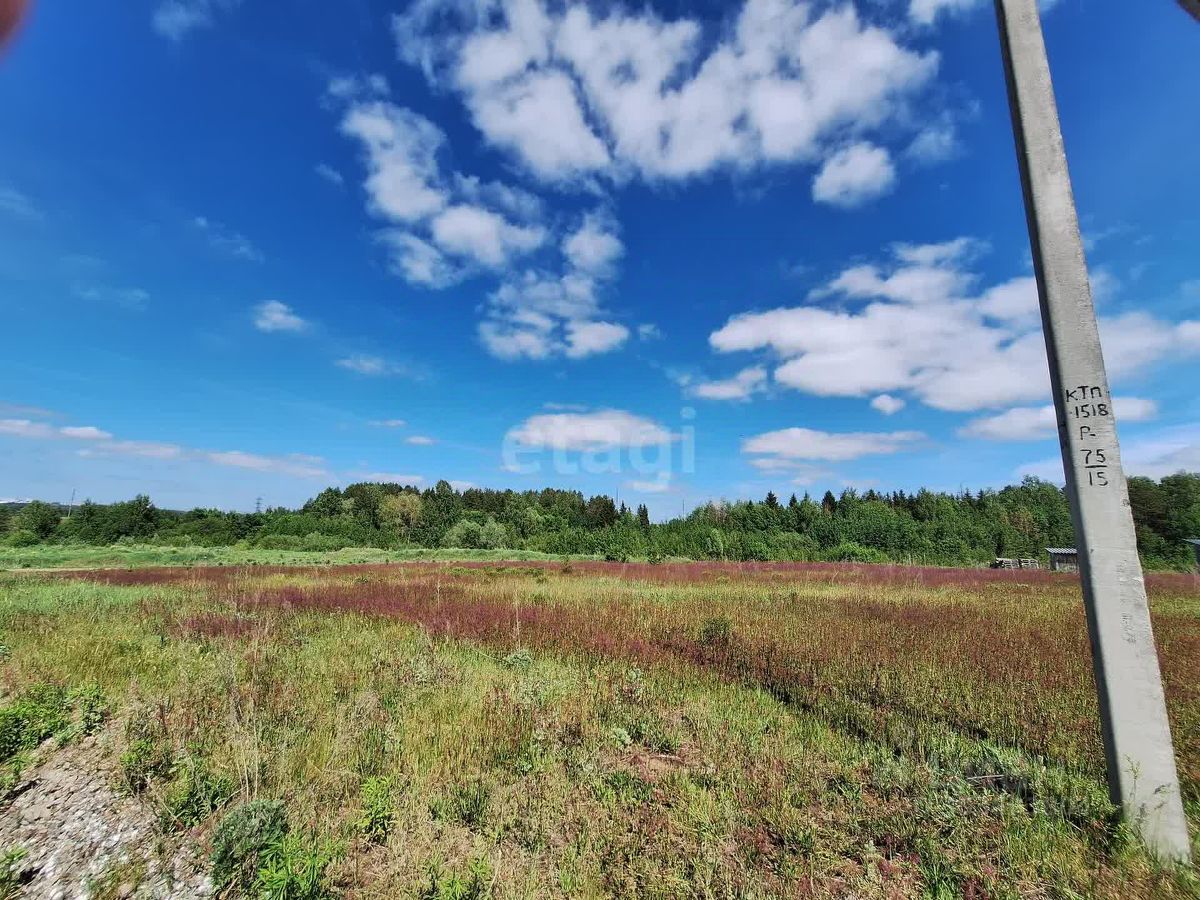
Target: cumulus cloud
(740,387)
(782,447)
(854,175)
(887,404)
(594,247)
(919,323)
(444,227)
(277,316)
(574,93)
(1028,423)
(603,429)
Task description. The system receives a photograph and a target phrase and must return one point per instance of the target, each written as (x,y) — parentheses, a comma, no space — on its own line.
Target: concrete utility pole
(1133,713)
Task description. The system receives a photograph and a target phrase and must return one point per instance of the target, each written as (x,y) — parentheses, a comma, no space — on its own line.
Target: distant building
(1195,542)
(1063,559)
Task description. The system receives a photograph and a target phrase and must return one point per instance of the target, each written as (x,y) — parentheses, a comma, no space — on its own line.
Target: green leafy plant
(295,869)
(242,839)
(93,708)
(10,872)
(38,713)
(473,884)
(148,755)
(378,809)
(195,793)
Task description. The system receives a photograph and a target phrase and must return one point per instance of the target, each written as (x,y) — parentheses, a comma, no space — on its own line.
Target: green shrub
(474,884)
(148,755)
(378,810)
(241,841)
(21,538)
(195,793)
(294,869)
(37,713)
(93,708)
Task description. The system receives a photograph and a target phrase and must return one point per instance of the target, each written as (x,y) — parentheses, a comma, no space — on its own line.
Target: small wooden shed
(1195,542)
(1063,559)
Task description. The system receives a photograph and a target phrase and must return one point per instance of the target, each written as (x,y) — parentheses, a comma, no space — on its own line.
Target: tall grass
(635,731)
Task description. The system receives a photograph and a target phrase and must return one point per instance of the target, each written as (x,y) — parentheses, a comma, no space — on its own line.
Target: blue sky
(675,251)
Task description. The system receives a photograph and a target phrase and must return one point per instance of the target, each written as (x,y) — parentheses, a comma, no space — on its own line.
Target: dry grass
(708,730)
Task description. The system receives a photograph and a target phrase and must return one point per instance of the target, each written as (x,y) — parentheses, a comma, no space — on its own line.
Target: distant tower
(257,505)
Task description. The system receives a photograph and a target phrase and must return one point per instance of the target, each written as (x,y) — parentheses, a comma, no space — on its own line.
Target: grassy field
(586,730)
(89,556)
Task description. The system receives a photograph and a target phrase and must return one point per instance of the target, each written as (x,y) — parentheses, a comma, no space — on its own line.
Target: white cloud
(388,423)
(448,227)
(130,298)
(419,262)
(934,143)
(401,150)
(594,248)
(589,338)
(144,449)
(276,316)
(661,486)
(887,404)
(228,241)
(297,465)
(740,387)
(924,12)
(1028,423)
(330,174)
(84,433)
(479,235)
(854,175)
(648,331)
(538,315)
(420,440)
(17,204)
(589,431)
(176,19)
(366,364)
(26,428)
(573,94)
(806,444)
(918,324)
(1156,455)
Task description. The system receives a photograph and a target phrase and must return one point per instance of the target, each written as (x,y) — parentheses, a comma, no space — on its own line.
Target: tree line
(926,527)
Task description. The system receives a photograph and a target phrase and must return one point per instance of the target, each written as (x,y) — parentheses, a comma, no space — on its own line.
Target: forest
(925,527)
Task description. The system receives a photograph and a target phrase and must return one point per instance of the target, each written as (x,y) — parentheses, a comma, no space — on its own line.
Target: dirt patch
(84,838)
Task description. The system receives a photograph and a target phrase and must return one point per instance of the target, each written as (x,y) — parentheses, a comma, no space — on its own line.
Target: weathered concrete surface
(81,834)
(1141,763)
